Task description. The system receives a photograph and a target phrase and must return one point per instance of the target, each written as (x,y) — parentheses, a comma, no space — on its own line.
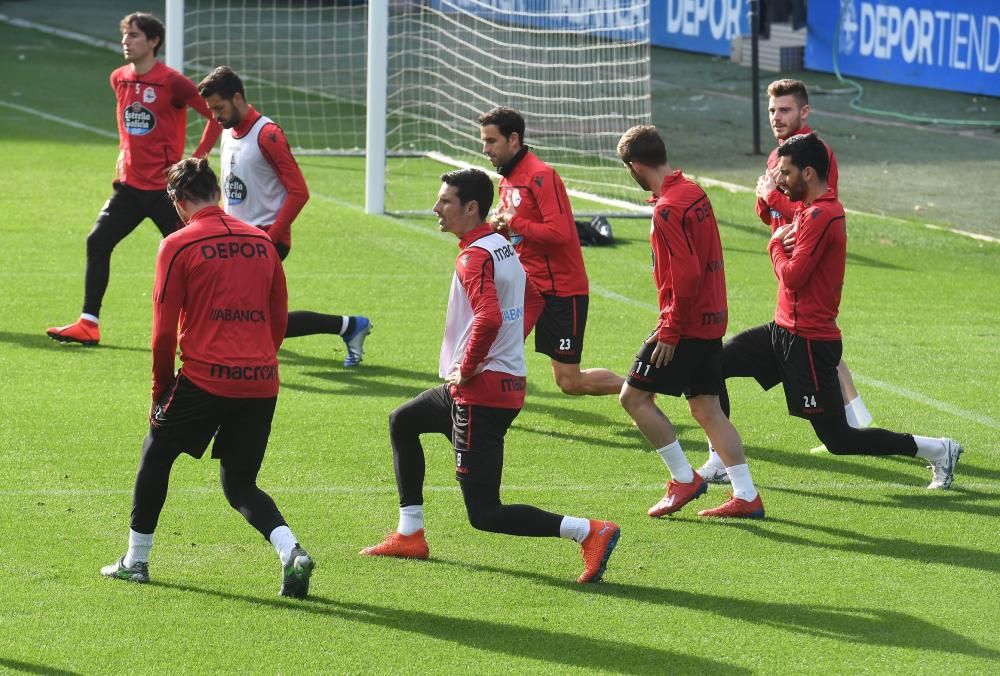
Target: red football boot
(678,495)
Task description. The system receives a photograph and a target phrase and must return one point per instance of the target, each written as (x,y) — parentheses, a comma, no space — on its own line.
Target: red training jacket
(778,210)
(152,119)
(219,291)
(543,231)
(687,263)
(811,279)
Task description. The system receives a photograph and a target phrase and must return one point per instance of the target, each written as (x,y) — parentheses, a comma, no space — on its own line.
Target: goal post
(408,78)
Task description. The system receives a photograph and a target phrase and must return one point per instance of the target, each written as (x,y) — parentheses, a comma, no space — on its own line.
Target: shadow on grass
(959,500)
(859,465)
(903,549)
(556,648)
(40,341)
(29,668)
(870,626)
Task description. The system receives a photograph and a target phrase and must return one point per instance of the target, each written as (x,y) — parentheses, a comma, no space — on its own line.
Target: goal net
(578,70)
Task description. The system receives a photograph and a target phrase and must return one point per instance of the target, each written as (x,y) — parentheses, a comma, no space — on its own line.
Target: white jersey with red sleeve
(485,326)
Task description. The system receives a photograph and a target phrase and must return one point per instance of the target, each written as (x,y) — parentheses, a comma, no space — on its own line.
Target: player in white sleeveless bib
(491,309)
(262,185)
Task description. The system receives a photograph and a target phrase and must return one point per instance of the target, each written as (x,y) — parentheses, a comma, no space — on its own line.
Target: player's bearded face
(786,116)
(224,111)
(637,178)
(790,180)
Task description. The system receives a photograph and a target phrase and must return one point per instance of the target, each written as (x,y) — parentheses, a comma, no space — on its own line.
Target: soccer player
(152,115)
(535,214)
(788,112)
(262,185)
(219,290)
(801,348)
(683,355)
(491,309)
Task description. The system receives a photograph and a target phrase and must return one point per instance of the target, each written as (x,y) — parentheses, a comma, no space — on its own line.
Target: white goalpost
(408,78)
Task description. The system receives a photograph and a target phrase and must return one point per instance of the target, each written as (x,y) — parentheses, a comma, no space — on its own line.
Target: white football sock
(284,542)
(713,457)
(930,448)
(89,318)
(344,325)
(574,528)
(743,487)
(852,419)
(139,545)
(411,519)
(861,414)
(677,463)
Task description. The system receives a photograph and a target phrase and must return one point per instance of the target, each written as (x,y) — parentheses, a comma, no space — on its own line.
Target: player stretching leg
(492,307)
(802,346)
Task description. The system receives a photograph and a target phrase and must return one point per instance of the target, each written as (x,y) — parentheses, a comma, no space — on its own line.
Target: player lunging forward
(801,348)
(152,112)
(491,309)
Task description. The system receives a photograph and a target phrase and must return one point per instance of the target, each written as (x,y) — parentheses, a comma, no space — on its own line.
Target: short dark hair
(472,184)
(506,119)
(642,144)
(192,179)
(796,88)
(806,150)
(222,81)
(148,24)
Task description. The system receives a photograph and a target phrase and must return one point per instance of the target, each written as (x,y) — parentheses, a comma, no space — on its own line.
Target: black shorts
(477,434)
(806,368)
(128,206)
(559,331)
(188,418)
(694,370)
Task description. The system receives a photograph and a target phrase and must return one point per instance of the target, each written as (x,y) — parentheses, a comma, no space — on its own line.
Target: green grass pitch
(857,569)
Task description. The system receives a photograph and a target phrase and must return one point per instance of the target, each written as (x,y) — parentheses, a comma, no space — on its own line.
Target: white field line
(61,120)
(832,486)
(984,420)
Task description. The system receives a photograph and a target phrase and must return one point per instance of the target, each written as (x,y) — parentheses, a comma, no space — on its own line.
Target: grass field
(857,569)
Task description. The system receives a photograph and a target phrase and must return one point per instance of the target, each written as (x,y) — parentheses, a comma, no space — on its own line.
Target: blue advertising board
(705,26)
(951,45)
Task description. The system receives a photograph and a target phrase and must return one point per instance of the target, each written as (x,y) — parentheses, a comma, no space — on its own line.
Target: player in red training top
(491,309)
(788,111)
(262,185)
(535,214)
(683,354)
(220,293)
(801,348)
(152,116)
